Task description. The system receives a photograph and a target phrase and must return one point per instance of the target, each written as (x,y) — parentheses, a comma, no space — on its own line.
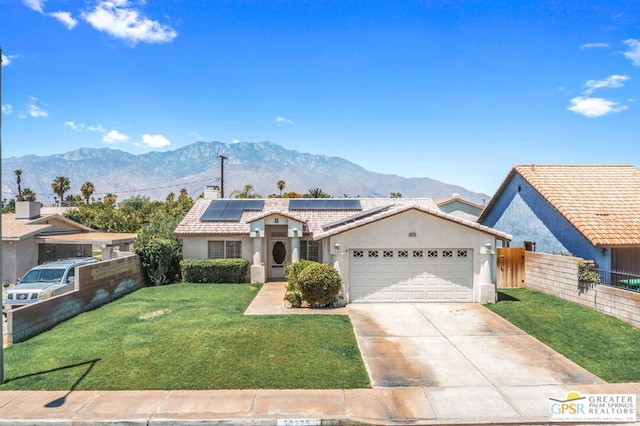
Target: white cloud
(74,126)
(7,59)
(594,46)
(34,110)
(282,120)
(97,128)
(610,82)
(66,19)
(7,109)
(594,107)
(153,141)
(114,136)
(117,19)
(34,4)
(633,54)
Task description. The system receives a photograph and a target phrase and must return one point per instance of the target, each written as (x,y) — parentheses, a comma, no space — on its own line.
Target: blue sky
(457,91)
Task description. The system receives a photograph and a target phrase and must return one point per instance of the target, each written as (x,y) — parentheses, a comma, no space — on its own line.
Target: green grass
(188,336)
(604,345)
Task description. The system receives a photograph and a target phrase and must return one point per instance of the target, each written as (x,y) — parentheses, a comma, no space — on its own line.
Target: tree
(60,185)
(28,193)
(110,199)
(158,249)
(247,192)
(316,193)
(73,200)
(87,190)
(396,195)
(281,184)
(18,173)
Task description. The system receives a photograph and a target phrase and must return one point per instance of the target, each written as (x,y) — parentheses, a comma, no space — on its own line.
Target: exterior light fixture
(336,246)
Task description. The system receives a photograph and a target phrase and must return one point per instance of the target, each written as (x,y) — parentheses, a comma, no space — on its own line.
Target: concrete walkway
(429,364)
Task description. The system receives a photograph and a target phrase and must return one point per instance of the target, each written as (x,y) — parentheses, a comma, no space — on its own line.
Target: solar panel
(254,205)
(230,210)
(324,204)
(356,217)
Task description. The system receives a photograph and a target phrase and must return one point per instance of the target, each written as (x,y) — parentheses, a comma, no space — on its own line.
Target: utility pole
(1,302)
(222,158)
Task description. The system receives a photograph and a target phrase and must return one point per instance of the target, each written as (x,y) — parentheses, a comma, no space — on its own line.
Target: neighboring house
(29,239)
(385,249)
(590,211)
(460,207)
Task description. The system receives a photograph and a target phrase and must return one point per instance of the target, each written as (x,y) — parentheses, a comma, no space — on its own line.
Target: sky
(458,91)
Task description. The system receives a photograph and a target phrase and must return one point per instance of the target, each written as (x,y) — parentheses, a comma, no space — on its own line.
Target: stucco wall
(97,284)
(430,232)
(15,266)
(557,276)
(523,213)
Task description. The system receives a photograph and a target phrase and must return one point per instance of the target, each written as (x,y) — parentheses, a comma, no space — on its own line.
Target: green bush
(214,270)
(319,284)
(292,271)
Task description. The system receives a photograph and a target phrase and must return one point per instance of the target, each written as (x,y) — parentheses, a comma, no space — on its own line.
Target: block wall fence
(558,276)
(97,284)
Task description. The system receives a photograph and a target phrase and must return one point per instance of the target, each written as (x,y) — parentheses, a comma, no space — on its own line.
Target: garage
(411,275)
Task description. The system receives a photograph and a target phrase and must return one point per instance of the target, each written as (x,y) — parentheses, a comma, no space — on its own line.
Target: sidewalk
(423,405)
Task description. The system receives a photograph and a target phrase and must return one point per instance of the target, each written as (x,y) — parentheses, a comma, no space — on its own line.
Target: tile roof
(19,229)
(601,201)
(316,220)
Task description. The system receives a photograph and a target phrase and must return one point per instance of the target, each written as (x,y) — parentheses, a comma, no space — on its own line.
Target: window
(224,250)
(447,253)
(432,253)
(462,253)
(387,253)
(417,253)
(358,253)
(373,253)
(403,253)
(310,250)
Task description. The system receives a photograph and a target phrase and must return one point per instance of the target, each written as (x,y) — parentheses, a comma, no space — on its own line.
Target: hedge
(217,271)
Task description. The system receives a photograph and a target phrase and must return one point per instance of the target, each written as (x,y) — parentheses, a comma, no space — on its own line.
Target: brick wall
(558,276)
(97,284)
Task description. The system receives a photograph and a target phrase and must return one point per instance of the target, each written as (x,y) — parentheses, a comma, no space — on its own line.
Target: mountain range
(195,166)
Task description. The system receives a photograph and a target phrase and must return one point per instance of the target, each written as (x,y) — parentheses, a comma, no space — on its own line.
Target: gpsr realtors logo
(594,408)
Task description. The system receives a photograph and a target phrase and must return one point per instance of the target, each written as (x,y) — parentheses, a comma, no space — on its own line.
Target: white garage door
(410,275)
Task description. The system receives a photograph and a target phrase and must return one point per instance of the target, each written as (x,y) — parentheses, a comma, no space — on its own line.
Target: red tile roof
(601,201)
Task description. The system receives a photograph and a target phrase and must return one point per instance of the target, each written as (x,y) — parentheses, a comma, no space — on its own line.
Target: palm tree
(87,190)
(247,192)
(18,173)
(28,193)
(281,185)
(60,185)
(317,193)
(110,199)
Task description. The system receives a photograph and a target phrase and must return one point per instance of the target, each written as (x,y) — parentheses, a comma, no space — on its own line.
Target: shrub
(214,270)
(587,275)
(291,272)
(319,284)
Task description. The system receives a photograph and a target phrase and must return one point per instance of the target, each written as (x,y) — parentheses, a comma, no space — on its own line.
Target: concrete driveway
(454,345)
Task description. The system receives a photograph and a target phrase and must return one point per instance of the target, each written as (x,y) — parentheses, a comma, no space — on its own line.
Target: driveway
(454,345)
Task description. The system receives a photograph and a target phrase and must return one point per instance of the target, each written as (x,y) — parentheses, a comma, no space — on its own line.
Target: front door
(279,255)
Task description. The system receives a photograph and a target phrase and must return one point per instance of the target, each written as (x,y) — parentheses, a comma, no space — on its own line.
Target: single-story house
(457,206)
(385,249)
(29,239)
(589,211)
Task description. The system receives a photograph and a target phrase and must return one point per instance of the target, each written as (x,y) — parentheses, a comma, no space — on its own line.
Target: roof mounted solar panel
(356,217)
(324,204)
(230,210)
(253,205)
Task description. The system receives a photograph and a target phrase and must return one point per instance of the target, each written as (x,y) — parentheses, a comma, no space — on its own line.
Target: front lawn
(604,345)
(188,336)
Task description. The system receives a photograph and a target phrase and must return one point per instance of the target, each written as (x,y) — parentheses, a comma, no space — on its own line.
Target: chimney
(27,210)
(211,193)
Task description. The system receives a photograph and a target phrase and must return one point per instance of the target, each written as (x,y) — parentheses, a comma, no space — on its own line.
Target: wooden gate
(510,265)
